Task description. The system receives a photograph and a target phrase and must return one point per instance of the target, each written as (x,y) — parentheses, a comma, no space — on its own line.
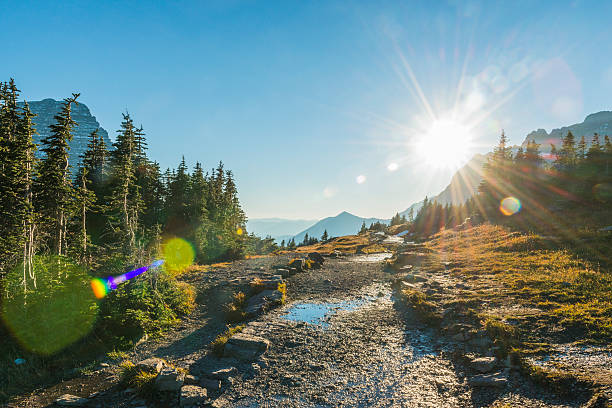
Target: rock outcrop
(45,111)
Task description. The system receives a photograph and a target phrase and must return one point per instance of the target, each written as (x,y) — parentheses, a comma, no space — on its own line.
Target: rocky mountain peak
(45,111)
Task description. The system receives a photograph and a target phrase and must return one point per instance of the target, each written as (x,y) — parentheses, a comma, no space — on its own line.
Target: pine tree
(282,245)
(124,201)
(18,219)
(325,236)
(54,192)
(581,150)
(363,229)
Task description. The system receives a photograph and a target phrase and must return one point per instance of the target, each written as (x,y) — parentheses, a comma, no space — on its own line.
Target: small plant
(425,309)
(234,311)
(117,355)
(282,288)
(218,345)
(133,377)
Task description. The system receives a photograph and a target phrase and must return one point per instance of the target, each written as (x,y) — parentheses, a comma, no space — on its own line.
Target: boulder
(285,273)
(151,365)
(169,379)
(68,400)
(262,301)
(483,364)
(488,380)
(246,347)
(191,380)
(297,263)
(317,258)
(211,385)
(192,395)
(270,283)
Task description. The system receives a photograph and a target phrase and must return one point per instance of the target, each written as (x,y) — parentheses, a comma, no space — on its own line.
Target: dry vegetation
(350,244)
(542,275)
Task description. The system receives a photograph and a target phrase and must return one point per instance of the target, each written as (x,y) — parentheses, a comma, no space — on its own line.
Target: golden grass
(532,271)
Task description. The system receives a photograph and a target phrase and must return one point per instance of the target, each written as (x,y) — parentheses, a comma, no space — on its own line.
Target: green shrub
(141,381)
(234,311)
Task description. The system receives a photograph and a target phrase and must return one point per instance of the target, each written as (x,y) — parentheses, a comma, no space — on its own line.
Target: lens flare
(99,287)
(239,231)
(51,310)
(510,206)
(178,254)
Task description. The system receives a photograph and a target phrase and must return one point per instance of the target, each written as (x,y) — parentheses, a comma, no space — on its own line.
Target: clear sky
(317,106)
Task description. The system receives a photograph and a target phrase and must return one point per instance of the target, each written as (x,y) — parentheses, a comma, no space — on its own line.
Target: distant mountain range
(46,110)
(342,224)
(463,185)
(277,228)
(600,122)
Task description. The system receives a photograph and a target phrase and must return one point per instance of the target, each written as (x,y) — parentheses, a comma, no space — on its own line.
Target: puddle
(593,358)
(319,313)
(377,257)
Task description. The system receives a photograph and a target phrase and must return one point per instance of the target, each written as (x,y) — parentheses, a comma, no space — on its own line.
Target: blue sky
(299,98)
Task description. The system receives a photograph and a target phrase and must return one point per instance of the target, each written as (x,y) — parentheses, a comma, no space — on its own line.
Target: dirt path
(342,339)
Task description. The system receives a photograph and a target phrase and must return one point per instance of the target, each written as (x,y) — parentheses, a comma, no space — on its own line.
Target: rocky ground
(341,339)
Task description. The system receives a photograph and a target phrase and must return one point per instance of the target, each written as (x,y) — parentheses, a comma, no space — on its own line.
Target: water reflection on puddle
(320,313)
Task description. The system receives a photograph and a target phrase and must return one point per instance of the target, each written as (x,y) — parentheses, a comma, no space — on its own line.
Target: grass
(427,311)
(140,380)
(218,345)
(532,271)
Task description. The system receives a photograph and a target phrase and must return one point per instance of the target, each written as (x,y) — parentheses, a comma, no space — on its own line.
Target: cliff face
(46,109)
(600,122)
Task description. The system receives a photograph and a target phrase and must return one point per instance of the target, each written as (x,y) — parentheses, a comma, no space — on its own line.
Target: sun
(446,144)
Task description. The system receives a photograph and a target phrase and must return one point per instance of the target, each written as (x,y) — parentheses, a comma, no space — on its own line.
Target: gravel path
(340,340)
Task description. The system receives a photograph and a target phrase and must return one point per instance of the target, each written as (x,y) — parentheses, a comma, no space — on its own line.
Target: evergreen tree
(581,150)
(54,192)
(325,236)
(363,229)
(124,201)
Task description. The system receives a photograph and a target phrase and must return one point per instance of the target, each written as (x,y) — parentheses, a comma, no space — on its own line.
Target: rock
(151,365)
(192,395)
(271,283)
(335,254)
(415,278)
(68,400)
(211,385)
(405,285)
(480,341)
(191,380)
(46,110)
(262,301)
(222,373)
(297,263)
(488,380)
(462,336)
(285,273)
(483,364)
(246,347)
(169,379)
(317,258)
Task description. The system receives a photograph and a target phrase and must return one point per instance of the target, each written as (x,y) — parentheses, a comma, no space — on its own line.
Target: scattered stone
(405,285)
(68,400)
(222,373)
(285,273)
(246,347)
(104,365)
(192,395)
(483,364)
(169,379)
(488,380)
(151,365)
(462,336)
